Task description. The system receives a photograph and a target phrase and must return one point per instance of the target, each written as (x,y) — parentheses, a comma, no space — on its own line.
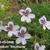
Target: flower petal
(23,18)
(48,25)
(28,20)
(44,27)
(10,23)
(23,41)
(16,27)
(18,41)
(23,28)
(21,11)
(27,36)
(1,28)
(5,28)
(29,9)
(31,16)
(10,34)
(43,47)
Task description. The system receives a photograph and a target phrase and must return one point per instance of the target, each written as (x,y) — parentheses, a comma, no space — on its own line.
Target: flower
(22,36)
(39,47)
(43,21)
(26,14)
(1,26)
(11,29)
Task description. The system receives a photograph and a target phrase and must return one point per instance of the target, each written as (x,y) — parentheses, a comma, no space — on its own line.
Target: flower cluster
(20,32)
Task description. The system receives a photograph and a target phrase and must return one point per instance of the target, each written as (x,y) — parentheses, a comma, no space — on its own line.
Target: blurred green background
(9,12)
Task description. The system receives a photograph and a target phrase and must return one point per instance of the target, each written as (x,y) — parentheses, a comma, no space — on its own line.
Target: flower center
(9,28)
(43,21)
(21,34)
(26,13)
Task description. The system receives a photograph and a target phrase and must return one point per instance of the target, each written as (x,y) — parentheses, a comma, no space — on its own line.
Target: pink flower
(43,21)
(39,47)
(26,14)
(22,36)
(11,29)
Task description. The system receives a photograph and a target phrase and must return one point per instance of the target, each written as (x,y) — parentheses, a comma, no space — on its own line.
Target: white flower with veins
(39,47)
(11,29)
(26,14)
(43,21)
(22,36)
